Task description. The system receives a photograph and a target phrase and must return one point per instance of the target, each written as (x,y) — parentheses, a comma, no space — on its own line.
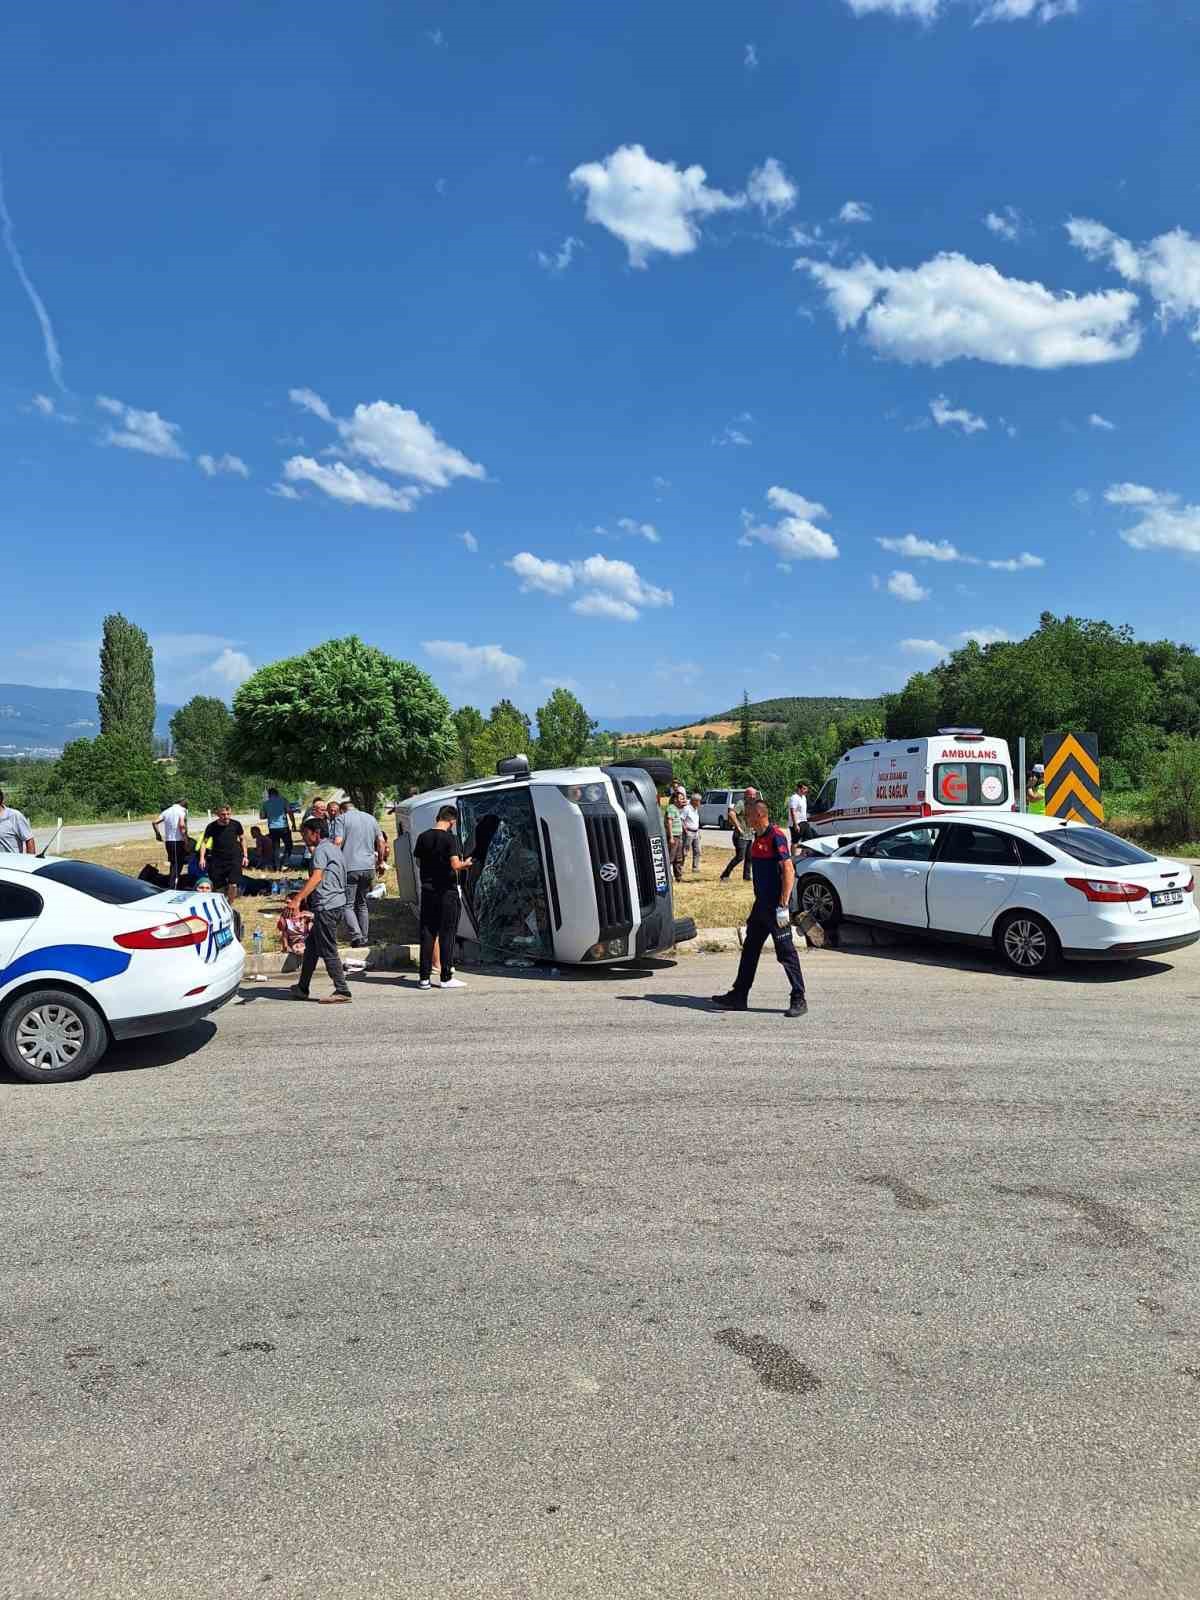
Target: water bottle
(258,945)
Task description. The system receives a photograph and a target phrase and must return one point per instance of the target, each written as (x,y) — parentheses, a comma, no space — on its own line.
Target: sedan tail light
(1106,890)
(1190,884)
(166,936)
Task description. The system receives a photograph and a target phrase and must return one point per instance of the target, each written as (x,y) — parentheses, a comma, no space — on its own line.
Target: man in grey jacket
(326,887)
(364,850)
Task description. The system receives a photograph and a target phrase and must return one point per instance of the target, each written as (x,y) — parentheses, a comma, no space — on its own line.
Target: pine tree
(742,750)
(126,697)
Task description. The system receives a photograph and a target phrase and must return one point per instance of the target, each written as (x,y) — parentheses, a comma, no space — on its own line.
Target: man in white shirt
(16,836)
(798,813)
(689,817)
(174,823)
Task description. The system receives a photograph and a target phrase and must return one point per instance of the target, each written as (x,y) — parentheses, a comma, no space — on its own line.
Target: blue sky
(597,345)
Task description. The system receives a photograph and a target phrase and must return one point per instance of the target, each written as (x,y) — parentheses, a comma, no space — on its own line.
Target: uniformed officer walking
(770,857)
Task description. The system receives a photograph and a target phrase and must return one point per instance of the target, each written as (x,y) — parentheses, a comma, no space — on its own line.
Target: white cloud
(396,440)
(609,588)
(641,530)
(925,549)
(985,10)
(210,466)
(905,587)
(934,647)
(1081,497)
(49,342)
(1025,562)
(436,38)
(1166,523)
(284,491)
(308,400)
(985,636)
(770,189)
(660,482)
(732,435)
(573,685)
(596,604)
(1095,420)
(750,59)
(1168,266)
(1005,224)
(144,431)
(469,539)
(389,437)
(1024,10)
(952,308)
(649,205)
(471,661)
(1130,494)
(352,487)
(550,577)
(231,668)
(45,405)
(855,211)
(794,537)
(946,416)
(562,257)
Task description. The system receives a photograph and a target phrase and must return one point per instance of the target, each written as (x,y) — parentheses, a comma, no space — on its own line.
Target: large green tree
(109,775)
(564,730)
(507,732)
(202,732)
(126,698)
(345,713)
(468,725)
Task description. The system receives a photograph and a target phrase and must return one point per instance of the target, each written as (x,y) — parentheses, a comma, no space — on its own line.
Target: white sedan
(88,955)
(1034,888)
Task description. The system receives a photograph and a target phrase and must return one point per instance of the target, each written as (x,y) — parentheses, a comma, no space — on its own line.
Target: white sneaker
(424,984)
(452,983)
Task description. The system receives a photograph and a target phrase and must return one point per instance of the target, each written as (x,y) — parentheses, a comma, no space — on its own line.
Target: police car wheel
(1028,943)
(51,1036)
(820,900)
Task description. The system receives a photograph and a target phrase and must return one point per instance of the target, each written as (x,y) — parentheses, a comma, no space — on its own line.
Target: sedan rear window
(1098,848)
(99,883)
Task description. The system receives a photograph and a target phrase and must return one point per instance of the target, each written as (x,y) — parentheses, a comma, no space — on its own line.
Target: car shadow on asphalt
(157,1049)
(959,959)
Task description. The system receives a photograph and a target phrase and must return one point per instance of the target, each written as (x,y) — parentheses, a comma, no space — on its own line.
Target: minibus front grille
(607,851)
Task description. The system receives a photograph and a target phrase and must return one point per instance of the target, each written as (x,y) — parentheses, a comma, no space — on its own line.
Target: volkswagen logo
(609,872)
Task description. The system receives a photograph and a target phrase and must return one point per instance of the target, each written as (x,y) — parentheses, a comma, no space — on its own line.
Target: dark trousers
(439,920)
(358,917)
(741,853)
(760,926)
(281,845)
(322,942)
(177,854)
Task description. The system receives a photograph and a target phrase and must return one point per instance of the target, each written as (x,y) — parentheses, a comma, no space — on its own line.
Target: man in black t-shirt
(438,855)
(223,853)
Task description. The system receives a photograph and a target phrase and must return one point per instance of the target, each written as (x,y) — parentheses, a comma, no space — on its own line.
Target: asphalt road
(90,835)
(573,1288)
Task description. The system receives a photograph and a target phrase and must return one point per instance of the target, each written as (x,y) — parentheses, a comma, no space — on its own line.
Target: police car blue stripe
(91,962)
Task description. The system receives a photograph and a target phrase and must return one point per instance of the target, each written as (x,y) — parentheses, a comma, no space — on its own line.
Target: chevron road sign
(1073,776)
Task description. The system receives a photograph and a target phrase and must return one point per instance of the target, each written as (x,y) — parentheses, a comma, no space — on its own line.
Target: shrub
(1175,789)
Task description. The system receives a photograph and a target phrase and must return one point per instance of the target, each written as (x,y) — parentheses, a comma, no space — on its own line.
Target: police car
(1033,888)
(88,955)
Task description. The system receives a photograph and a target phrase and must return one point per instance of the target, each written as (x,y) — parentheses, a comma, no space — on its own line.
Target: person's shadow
(687,1002)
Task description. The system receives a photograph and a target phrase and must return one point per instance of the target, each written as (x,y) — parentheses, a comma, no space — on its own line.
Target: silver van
(715,804)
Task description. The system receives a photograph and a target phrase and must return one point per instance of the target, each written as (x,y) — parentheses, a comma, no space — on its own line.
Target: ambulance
(956,772)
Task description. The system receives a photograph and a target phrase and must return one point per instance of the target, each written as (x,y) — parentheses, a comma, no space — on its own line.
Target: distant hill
(812,712)
(664,719)
(37,721)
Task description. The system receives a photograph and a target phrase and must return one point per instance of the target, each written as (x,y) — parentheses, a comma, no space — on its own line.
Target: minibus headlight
(608,949)
(577,793)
